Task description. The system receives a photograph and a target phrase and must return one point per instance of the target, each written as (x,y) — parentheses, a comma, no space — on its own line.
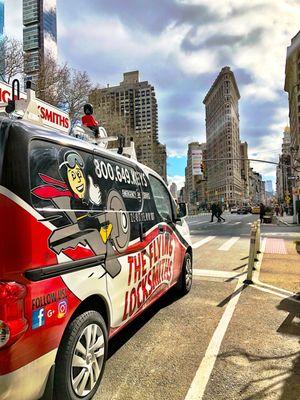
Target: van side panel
(151,265)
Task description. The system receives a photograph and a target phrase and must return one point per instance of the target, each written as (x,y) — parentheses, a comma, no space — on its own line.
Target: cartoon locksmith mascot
(90,224)
(84,194)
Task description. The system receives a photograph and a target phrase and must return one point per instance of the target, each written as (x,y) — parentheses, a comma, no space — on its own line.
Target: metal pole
(240,159)
(253,231)
(257,239)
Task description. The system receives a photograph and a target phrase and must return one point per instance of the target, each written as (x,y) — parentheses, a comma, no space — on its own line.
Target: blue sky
(180,46)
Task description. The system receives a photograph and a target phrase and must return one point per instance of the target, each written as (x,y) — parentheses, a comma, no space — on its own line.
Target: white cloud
(50,5)
(269,146)
(13,24)
(196,63)
(178,179)
(263,59)
(258,91)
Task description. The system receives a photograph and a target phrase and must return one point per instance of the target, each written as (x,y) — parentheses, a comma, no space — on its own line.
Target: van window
(161,198)
(113,175)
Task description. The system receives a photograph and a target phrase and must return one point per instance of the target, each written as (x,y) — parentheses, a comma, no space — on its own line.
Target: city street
(222,340)
(119,122)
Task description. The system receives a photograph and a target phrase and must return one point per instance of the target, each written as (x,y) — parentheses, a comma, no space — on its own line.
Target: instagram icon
(62,309)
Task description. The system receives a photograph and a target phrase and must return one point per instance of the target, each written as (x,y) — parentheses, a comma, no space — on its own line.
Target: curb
(267,287)
(285,223)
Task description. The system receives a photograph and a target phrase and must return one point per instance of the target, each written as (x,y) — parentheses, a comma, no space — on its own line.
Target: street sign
(196,162)
(287,199)
(52,116)
(291,177)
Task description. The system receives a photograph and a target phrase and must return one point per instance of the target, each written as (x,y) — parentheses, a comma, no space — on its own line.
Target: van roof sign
(51,117)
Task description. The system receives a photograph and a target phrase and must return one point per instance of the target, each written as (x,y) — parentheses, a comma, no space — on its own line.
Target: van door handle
(161,229)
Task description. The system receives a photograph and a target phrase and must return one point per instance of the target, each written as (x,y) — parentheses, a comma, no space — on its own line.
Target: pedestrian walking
(262,212)
(214,210)
(277,210)
(219,213)
(281,210)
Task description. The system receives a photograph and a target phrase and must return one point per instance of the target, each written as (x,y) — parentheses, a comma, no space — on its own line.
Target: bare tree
(11,58)
(52,79)
(63,87)
(75,93)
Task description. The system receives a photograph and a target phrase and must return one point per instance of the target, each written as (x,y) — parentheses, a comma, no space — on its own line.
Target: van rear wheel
(81,358)
(185,280)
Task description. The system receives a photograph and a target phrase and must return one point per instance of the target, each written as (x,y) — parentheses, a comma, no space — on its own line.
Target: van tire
(75,335)
(185,280)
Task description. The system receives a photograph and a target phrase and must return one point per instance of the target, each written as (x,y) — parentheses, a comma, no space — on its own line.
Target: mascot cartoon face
(72,169)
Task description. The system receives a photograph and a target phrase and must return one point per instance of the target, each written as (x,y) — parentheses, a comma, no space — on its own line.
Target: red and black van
(88,240)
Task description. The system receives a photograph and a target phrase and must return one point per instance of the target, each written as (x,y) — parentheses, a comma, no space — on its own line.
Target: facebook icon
(38,318)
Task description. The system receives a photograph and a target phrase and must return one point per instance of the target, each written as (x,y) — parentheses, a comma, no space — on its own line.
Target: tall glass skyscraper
(2,56)
(1,17)
(39,34)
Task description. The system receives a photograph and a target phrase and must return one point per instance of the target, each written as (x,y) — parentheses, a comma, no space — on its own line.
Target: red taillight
(12,321)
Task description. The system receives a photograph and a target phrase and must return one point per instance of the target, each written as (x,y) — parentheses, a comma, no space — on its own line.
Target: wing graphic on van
(94,229)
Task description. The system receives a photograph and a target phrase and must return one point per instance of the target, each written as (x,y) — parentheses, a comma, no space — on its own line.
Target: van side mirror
(182,210)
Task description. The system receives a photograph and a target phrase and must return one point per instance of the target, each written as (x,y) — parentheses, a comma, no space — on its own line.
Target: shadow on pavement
(234,277)
(228,298)
(291,326)
(283,375)
(126,334)
(278,376)
(241,266)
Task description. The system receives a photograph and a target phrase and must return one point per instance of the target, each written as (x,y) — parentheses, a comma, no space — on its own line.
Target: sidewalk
(281,265)
(286,220)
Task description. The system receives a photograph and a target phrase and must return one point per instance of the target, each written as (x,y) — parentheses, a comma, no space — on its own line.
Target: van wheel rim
(87,360)
(188,272)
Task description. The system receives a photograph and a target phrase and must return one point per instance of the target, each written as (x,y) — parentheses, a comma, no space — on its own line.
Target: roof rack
(24,105)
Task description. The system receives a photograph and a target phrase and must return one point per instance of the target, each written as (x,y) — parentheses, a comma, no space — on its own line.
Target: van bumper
(28,382)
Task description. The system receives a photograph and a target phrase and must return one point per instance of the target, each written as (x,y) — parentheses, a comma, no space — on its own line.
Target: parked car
(255,209)
(243,210)
(234,210)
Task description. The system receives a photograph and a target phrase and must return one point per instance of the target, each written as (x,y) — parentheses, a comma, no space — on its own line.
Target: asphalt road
(224,340)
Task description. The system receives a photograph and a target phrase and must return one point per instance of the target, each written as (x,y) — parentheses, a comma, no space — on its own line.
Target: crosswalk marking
(275,246)
(198,222)
(271,234)
(210,273)
(228,244)
(237,223)
(203,241)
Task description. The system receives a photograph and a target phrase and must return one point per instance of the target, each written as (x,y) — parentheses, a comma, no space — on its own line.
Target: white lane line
(215,273)
(202,242)
(263,289)
(273,234)
(228,244)
(237,223)
(197,222)
(197,388)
